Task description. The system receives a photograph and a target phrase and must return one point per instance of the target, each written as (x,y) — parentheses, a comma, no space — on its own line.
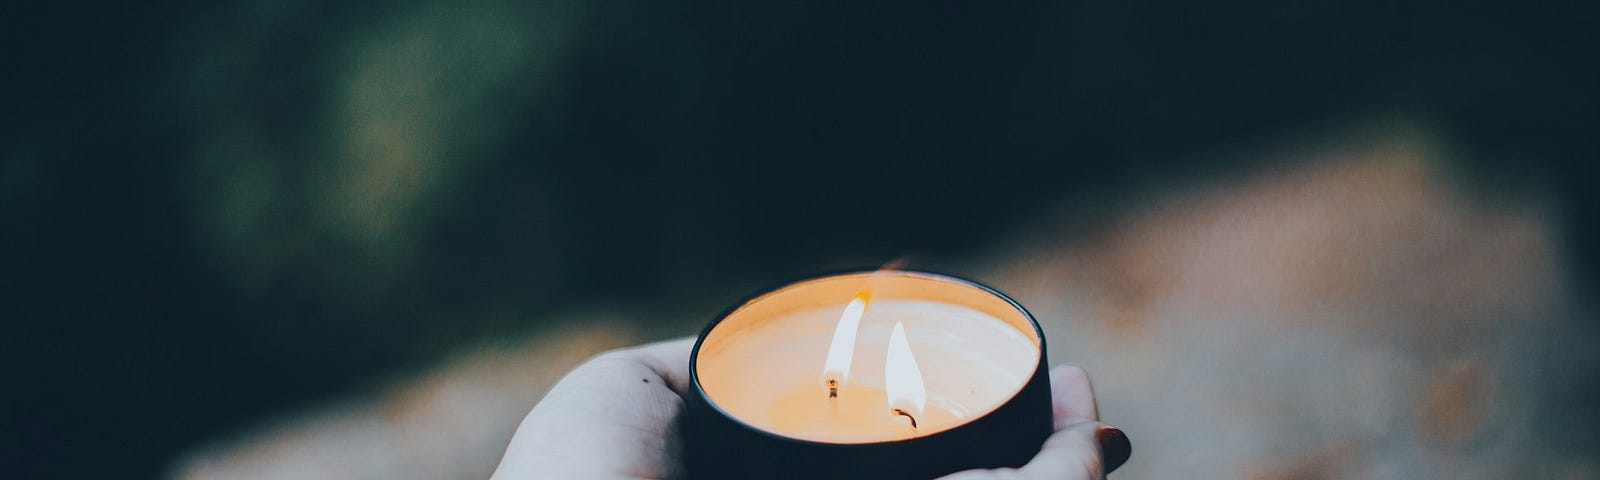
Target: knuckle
(613,356)
(1089,462)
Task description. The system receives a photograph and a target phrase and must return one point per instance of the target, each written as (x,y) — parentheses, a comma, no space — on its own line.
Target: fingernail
(1114,447)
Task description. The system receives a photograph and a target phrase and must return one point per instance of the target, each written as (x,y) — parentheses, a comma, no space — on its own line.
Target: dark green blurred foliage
(215,211)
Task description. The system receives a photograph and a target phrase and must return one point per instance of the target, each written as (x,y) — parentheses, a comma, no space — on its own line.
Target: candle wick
(907,415)
(833,388)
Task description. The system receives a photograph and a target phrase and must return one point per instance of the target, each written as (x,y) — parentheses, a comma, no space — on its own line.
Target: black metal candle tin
(718,446)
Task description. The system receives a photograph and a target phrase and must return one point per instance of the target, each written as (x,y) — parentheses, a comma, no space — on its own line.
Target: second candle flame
(902,379)
(837,368)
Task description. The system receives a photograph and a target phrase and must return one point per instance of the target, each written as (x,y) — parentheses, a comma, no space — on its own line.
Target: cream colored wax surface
(767,371)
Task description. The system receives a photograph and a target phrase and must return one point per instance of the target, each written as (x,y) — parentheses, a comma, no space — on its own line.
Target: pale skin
(614,418)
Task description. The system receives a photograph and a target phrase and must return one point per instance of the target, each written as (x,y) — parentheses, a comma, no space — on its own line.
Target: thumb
(1073,452)
(1079,451)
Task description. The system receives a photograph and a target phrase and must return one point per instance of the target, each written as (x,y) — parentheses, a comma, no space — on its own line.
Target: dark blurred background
(219,212)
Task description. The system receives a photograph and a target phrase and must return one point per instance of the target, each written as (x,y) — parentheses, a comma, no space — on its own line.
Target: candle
(764,369)
(834,375)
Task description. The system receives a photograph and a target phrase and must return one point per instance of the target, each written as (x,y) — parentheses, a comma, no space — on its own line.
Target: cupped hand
(615,417)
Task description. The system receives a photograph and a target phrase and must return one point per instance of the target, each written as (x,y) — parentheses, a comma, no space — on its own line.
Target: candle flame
(902,379)
(837,368)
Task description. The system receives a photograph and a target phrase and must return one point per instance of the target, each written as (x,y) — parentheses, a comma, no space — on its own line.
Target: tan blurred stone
(451,422)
